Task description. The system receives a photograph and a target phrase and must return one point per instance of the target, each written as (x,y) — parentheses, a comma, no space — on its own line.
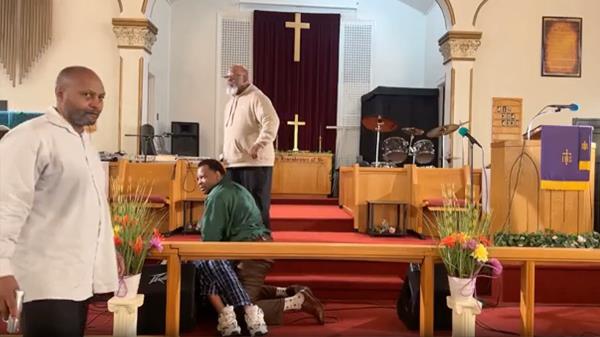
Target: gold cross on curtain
(26,33)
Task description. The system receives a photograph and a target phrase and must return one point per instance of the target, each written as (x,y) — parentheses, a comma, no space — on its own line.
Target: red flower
(484,241)
(117,240)
(138,245)
(449,241)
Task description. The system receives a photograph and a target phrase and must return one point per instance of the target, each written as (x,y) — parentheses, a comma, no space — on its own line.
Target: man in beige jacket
(251,125)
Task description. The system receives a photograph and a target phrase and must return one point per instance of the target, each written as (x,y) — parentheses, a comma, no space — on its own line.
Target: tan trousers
(252,274)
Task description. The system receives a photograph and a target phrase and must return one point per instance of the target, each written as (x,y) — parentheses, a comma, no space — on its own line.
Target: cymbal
(412,131)
(385,124)
(442,130)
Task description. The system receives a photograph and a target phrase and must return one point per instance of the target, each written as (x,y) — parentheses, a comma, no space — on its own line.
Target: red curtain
(308,88)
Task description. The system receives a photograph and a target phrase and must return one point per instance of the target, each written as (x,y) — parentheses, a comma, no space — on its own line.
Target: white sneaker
(255,320)
(228,325)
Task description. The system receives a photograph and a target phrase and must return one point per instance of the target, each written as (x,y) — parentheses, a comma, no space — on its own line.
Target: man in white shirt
(251,125)
(56,238)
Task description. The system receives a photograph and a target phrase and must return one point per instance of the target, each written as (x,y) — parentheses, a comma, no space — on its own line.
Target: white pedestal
(463,316)
(125,314)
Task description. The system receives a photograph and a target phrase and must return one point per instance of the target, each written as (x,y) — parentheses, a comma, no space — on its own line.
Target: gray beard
(231,91)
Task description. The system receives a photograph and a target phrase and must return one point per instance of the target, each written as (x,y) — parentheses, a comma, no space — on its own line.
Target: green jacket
(231,214)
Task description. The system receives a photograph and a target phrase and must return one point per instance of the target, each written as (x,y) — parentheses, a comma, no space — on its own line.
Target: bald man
(56,239)
(251,125)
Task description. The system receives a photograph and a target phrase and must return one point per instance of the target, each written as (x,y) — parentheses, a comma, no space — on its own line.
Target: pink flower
(471,244)
(155,242)
(496,267)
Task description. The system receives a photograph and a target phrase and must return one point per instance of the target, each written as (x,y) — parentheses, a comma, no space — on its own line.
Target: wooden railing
(176,251)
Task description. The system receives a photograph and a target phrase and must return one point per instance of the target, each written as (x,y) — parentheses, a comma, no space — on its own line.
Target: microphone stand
(471,173)
(541,112)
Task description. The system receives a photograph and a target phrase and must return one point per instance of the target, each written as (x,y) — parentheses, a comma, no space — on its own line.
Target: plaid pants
(218,277)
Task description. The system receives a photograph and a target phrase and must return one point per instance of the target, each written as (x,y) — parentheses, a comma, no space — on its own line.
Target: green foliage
(548,238)
(463,233)
(134,225)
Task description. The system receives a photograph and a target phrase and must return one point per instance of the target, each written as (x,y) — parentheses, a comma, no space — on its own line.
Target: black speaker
(151,315)
(408,305)
(185,138)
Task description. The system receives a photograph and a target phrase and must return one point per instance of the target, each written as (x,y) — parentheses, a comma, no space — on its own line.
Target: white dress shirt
(56,235)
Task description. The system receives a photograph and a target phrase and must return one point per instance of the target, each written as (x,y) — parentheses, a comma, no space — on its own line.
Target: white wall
(399,42)
(509,62)
(194,65)
(81,35)
(160,64)
(434,29)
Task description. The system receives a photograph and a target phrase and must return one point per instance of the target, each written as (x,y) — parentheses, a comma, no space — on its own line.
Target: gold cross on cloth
(296,123)
(585,146)
(297,25)
(567,157)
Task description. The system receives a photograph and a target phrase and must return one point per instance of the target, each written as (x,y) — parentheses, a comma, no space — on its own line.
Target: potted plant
(463,231)
(135,233)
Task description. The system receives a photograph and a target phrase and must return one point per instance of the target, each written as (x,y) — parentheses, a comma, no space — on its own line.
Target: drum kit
(395,150)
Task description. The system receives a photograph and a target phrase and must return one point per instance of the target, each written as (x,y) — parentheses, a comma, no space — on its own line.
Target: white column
(135,37)
(125,313)
(464,314)
(458,49)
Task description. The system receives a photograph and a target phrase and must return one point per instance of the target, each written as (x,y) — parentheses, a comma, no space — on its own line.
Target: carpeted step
(303,200)
(318,218)
(343,286)
(335,280)
(576,283)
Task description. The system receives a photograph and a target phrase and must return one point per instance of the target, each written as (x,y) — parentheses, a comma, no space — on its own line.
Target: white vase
(461,289)
(128,286)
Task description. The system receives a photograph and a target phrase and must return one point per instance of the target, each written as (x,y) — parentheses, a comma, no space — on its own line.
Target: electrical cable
(511,195)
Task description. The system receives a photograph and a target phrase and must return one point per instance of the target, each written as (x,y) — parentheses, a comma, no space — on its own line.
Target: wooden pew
(428,192)
(415,186)
(157,176)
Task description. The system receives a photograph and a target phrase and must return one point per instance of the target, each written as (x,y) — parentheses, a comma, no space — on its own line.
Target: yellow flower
(480,253)
(116,229)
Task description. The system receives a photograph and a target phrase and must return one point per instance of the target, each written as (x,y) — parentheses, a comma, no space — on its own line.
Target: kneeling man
(231,214)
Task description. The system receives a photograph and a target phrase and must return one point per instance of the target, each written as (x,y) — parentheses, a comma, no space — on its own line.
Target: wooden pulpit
(520,205)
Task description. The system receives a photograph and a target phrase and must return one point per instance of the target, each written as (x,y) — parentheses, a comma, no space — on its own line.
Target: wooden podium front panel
(532,208)
(302,173)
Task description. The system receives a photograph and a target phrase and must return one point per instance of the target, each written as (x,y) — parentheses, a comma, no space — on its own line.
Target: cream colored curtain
(25,32)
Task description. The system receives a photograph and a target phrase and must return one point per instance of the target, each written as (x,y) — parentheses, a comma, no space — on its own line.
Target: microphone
(465,133)
(573,107)
(556,108)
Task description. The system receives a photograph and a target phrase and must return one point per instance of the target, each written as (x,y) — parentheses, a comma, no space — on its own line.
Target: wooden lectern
(531,208)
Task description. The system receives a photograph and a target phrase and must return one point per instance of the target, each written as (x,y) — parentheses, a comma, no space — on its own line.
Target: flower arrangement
(463,230)
(134,222)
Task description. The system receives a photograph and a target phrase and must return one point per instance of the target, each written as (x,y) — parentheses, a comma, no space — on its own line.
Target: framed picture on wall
(561,46)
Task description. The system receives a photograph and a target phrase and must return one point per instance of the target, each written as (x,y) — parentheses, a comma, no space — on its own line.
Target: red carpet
(378,318)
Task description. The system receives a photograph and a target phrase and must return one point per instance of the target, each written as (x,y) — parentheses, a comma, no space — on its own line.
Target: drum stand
(379,124)
(411,149)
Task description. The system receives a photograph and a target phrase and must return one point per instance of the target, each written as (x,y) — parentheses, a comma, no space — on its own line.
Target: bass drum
(395,150)
(424,151)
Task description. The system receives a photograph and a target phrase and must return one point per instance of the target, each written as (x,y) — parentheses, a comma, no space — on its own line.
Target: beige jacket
(249,119)
(56,236)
